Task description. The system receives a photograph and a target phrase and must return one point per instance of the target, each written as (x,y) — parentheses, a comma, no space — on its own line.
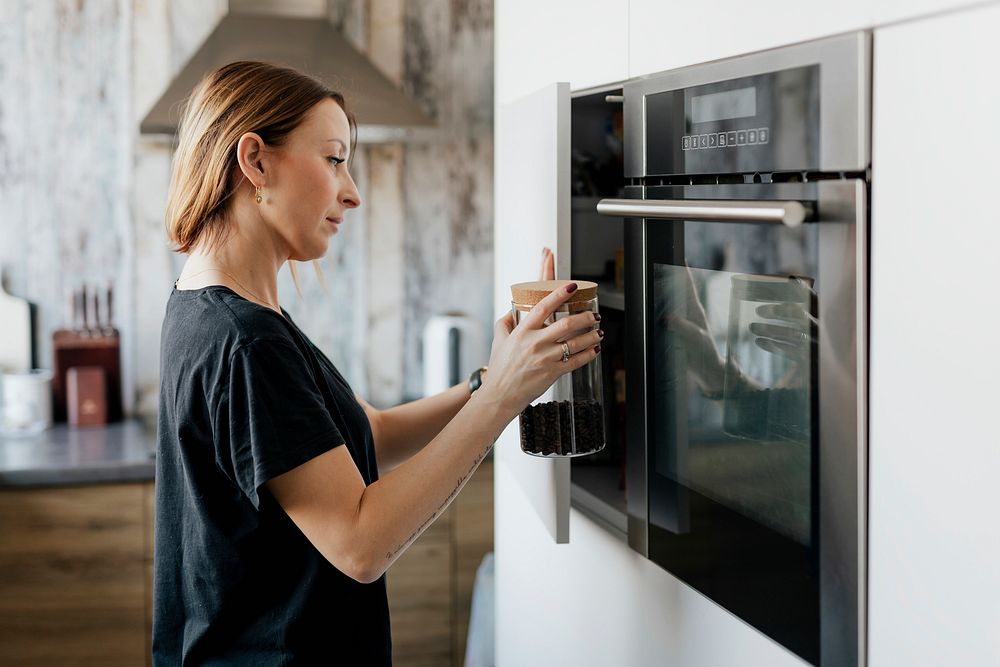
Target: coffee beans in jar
(562,428)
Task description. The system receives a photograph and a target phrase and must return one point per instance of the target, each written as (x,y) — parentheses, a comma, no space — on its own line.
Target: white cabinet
(666,35)
(583,42)
(889,11)
(532,212)
(934,595)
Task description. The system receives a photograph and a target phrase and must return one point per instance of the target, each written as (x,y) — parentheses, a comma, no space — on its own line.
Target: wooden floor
(430,586)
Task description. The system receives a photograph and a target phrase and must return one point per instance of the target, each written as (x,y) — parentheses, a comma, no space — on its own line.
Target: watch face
(476,379)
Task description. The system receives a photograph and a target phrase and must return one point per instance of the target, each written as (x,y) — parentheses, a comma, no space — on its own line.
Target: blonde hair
(241,97)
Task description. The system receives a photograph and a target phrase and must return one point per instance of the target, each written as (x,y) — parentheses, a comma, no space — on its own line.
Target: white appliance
(453,347)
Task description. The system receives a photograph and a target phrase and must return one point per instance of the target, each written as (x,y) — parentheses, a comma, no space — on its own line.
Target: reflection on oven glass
(733,362)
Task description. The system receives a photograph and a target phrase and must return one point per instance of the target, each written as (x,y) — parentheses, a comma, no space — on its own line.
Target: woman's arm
(362,529)
(403,430)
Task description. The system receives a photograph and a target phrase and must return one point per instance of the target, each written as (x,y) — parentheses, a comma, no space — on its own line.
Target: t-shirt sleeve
(277,418)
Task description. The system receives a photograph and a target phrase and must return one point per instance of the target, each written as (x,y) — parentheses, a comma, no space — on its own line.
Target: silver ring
(565,349)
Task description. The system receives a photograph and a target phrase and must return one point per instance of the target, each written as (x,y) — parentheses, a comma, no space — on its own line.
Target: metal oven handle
(791,213)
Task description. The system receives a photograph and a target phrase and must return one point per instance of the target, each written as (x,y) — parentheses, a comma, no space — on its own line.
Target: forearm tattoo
(389,555)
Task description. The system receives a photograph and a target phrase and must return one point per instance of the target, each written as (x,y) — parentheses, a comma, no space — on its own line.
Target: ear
(251,156)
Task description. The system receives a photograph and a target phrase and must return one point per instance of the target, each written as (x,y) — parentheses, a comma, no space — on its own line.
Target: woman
(282,498)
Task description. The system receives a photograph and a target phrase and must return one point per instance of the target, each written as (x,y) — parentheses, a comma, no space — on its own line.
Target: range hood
(277,32)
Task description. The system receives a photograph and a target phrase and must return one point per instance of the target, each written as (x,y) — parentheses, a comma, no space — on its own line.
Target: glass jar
(572,423)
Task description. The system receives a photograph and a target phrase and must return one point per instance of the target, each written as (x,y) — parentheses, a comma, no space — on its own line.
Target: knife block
(70,348)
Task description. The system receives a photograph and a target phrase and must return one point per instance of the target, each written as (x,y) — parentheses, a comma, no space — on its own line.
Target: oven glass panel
(733,473)
(732,358)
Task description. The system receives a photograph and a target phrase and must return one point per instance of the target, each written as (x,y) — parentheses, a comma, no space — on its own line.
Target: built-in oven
(745,212)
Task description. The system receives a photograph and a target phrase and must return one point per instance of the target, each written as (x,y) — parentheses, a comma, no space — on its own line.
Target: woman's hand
(527,359)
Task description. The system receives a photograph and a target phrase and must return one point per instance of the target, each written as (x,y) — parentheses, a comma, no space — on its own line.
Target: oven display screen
(726,105)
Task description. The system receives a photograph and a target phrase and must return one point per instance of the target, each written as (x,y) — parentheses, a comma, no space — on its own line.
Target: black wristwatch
(476,379)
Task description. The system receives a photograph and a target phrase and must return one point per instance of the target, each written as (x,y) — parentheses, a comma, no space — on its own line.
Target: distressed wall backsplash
(82,193)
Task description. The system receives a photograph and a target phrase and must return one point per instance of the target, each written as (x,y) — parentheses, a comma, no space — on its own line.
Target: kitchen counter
(120,452)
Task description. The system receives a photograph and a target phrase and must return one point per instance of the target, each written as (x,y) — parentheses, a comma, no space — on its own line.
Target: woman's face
(310,188)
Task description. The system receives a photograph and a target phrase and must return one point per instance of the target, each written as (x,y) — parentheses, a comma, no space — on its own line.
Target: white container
(26,402)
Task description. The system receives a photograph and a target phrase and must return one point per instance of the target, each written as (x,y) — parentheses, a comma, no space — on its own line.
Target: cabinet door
(934,459)
(532,211)
(667,35)
(584,42)
(72,588)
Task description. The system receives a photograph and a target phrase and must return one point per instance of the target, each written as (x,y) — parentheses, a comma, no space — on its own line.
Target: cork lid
(528,294)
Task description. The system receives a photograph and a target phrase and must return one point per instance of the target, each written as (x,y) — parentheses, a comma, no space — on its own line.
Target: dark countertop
(120,452)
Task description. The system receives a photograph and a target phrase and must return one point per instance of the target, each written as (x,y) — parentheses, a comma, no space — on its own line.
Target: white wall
(594,601)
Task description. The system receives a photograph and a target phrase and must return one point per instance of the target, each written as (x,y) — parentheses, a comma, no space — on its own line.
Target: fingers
(544,309)
(504,325)
(548,269)
(583,342)
(581,358)
(788,312)
(779,333)
(570,326)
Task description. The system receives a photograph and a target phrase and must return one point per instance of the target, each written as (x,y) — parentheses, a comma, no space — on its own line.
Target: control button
(763,134)
(685,143)
(722,139)
(713,140)
(702,141)
(741,137)
(751,136)
(731,138)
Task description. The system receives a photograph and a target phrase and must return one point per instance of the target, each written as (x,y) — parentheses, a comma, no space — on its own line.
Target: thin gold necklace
(261,301)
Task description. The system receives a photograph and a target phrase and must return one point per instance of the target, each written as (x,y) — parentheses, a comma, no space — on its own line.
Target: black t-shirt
(244,397)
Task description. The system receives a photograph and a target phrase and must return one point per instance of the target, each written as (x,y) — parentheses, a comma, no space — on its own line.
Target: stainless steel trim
(564,246)
(861,292)
(842,301)
(845,97)
(790,213)
(637,499)
(594,90)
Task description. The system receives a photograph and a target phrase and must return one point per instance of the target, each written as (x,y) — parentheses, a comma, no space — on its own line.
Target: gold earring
(259,198)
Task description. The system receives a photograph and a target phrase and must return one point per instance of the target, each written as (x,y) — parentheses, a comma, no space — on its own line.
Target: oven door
(747,391)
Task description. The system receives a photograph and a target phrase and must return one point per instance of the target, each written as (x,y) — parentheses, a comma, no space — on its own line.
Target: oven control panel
(730,139)
(758,123)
